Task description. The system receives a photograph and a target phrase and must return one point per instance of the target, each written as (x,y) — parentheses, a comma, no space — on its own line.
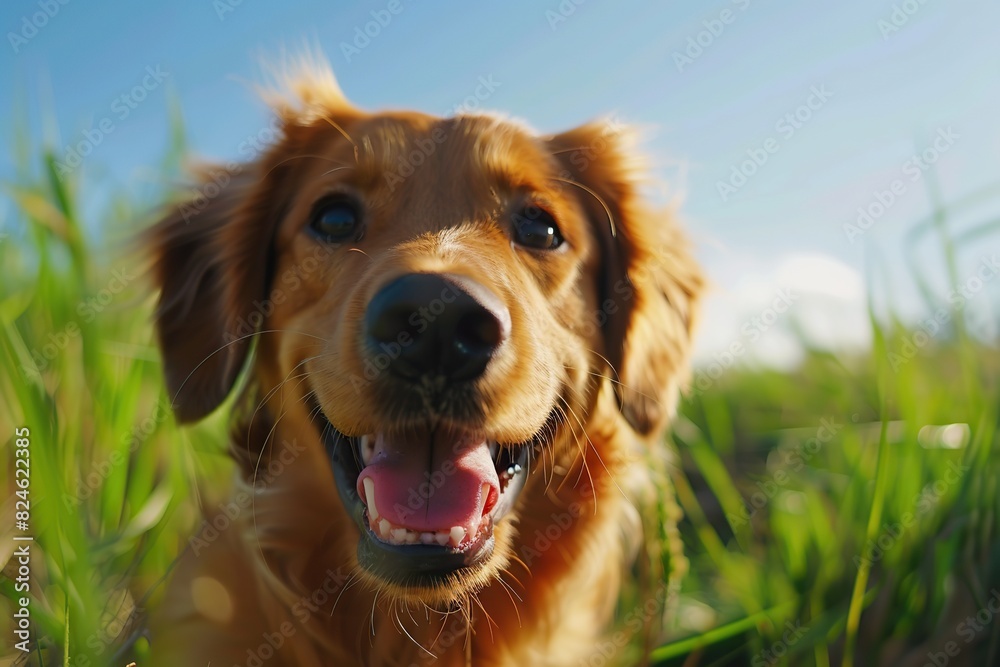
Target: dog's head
(440,301)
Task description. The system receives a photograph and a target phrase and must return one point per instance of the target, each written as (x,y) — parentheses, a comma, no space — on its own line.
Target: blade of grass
(878,499)
(689,645)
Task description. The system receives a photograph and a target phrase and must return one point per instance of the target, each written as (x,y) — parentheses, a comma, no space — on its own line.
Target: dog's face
(440,301)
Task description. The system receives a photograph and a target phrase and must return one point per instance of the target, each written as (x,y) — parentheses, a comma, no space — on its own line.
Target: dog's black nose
(427,325)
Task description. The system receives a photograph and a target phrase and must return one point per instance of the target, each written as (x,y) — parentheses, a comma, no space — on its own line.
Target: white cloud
(761,310)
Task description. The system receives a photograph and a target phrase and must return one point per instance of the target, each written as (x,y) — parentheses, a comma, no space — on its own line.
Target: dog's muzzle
(427,497)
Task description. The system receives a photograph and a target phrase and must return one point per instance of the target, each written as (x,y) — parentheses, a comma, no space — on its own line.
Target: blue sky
(893,76)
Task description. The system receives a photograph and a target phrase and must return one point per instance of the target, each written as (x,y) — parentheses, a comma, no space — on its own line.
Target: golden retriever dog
(450,342)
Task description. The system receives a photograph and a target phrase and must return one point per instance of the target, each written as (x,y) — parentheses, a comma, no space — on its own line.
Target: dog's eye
(535,228)
(335,220)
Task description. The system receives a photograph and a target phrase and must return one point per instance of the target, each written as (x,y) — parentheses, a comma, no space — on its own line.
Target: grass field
(842,514)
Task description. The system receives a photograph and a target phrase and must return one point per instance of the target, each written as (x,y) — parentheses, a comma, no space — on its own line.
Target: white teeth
(369,485)
(398,535)
(393,534)
(483,497)
(367,448)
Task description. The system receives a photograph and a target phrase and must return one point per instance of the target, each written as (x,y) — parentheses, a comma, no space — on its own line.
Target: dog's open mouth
(426,500)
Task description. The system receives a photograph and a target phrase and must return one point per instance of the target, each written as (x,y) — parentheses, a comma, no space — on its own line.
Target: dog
(450,343)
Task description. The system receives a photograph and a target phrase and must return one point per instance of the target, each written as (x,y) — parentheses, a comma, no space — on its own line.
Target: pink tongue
(431,486)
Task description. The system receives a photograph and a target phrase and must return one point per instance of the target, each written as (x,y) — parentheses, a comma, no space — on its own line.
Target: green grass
(785,479)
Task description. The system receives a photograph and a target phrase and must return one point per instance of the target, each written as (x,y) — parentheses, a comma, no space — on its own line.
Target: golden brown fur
(599,338)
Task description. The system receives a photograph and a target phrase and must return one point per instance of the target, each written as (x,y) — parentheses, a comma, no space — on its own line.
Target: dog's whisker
(355,576)
(444,623)
(336,169)
(409,612)
(623,385)
(260,457)
(546,454)
(592,193)
(253,495)
(615,375)
(343,132)
(412,639)
(490,623)
(582,455)
(227,344)
(510,587)
(510,594)
(374,602)
(280,385)
(597,453)
(298,157)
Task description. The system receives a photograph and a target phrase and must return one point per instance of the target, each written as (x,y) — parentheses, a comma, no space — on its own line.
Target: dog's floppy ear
(649,284)
(210,259)
(212,255)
